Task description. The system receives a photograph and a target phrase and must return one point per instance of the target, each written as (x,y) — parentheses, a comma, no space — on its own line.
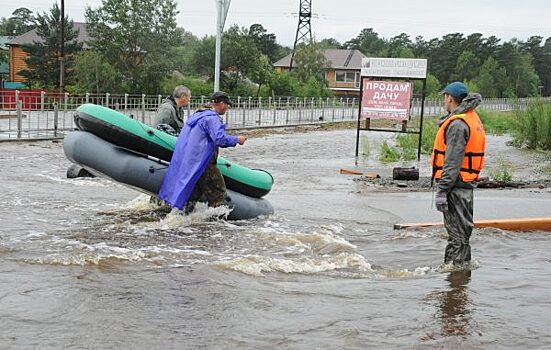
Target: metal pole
(421,121)
(359,120)
(62,48)
(222,7)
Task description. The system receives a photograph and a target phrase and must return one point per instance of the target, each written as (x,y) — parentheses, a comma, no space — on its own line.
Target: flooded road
(88,264)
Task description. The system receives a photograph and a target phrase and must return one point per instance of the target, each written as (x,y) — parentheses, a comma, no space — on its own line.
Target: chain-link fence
(42,115)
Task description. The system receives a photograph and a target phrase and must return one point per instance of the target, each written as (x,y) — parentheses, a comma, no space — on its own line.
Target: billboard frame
(403,130)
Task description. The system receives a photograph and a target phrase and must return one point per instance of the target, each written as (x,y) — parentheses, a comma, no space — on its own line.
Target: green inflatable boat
(134,135)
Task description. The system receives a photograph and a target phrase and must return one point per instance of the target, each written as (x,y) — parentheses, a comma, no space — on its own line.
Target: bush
(284,84)
(198,87)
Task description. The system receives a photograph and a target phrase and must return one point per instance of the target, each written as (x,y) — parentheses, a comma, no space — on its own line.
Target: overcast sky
(344,19)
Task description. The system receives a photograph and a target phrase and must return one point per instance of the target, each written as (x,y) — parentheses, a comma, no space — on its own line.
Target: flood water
(88,264)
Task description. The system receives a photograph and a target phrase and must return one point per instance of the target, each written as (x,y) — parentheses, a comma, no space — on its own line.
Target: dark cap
(456,89)
(220,96)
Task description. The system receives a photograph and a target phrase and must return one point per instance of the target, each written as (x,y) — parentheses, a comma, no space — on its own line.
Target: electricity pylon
(304,30)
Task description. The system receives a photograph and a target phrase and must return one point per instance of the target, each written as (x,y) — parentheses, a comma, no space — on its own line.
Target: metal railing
(51,115)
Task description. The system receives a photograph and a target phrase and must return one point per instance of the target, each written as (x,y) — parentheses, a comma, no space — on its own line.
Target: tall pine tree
(43,66)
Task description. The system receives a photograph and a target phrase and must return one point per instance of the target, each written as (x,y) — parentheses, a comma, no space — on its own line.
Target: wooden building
(343,74)
(17,55)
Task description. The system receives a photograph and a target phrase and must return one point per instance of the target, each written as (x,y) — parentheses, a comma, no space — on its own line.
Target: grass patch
(408,144)
(501,171)
(532,127)
(389,154)
(497,123)
(365,145)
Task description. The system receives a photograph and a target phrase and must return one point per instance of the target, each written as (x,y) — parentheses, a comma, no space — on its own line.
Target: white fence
(50,116)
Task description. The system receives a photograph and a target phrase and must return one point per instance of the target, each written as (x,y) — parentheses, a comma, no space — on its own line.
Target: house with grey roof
(343,74)
(18,55)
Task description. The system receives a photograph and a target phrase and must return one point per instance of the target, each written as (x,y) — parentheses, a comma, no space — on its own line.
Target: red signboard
(386,100)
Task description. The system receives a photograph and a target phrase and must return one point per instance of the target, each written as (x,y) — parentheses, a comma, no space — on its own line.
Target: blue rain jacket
(202,133)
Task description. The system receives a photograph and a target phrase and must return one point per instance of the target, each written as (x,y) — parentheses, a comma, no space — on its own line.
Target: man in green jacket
(170,115)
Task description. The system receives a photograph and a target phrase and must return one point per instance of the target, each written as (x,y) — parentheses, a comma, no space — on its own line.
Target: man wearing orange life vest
(457,159)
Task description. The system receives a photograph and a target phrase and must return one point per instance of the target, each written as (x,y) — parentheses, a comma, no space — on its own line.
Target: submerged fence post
(19,117)
(287,107)
(259,111)
(42,93)
(143,108)
(56,118)
(312,110)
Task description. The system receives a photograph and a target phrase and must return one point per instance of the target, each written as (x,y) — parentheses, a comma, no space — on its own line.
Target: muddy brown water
(88,264)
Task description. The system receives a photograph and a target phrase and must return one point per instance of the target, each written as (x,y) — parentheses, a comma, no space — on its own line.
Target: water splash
(256,265)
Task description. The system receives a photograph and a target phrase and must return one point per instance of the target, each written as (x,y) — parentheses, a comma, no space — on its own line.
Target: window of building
(348,77)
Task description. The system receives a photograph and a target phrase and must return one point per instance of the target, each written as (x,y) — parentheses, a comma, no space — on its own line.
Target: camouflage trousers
(458,221)
(210,188)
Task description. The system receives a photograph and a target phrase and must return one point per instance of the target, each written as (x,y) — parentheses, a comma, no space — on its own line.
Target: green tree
(545,76)
(266,43)
(284,84)
(400,46)
(520,70)
(330,43)
(136,37)
(492,80)
(21,21)
(94,74)
(433,87)
(181,55)
(43,56)
(367,41)
(542,59)
(202,59)
(467,66)
(262,72)
(309,61)
(443,56)
(239,55)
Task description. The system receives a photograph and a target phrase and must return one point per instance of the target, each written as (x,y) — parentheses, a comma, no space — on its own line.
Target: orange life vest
(473,161)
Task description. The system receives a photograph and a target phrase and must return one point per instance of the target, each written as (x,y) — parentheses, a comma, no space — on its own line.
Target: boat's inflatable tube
(143,172)
(132,134)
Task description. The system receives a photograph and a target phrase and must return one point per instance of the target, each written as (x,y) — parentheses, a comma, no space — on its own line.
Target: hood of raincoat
(472,101)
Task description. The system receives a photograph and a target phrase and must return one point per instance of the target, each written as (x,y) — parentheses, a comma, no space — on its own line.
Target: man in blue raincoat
(192,174)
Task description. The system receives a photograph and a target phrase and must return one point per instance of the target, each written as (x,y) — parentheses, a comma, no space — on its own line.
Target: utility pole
(222,7)
(61,49)
(304,29)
